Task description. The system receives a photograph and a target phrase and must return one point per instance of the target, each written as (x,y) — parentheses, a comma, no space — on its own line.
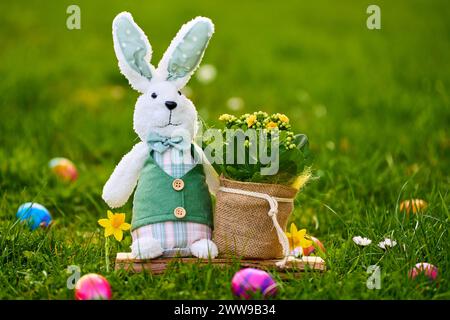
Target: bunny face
(161,108)
(164,110)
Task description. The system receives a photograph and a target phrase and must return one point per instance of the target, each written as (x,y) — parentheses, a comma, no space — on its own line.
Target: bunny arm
(123,180)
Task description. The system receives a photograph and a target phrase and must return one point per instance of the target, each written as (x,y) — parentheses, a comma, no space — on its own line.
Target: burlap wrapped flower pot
(243,225)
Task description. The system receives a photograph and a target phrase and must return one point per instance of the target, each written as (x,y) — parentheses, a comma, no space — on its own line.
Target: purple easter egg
(92,287)
(248,281)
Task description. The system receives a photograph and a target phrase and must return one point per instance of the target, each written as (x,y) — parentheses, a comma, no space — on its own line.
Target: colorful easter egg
(249,281)
(424,268)
(92,286)
(63,169)
(313,248)
(414,205)
(35,214)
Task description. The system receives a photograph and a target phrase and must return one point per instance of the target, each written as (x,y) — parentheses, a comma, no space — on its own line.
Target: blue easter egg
(34,214)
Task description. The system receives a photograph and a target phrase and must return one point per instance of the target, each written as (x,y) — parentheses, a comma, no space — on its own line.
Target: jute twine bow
(273,203)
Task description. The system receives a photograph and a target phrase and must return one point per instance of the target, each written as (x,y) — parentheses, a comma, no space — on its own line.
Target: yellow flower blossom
(297,238)
(283,118)
(114,225)
(271,125)
(225,117)
(251,120)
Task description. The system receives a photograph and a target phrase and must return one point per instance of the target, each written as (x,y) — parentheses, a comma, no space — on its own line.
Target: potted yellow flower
(293,155)
(255,200)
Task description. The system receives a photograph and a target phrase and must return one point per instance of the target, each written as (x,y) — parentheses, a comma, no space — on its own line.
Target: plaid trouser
(175,237)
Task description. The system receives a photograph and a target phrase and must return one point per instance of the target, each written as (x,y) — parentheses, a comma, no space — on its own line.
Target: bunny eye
(154,95)
(179,92)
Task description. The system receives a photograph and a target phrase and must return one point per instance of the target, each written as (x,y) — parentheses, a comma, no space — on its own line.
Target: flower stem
(107,254)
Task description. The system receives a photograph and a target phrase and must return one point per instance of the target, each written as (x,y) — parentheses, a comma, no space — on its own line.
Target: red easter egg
(424,268)
(92,287)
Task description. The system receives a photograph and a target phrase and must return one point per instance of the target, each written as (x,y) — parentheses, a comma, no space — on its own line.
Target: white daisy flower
(360,241)
(206,73)
(387,243)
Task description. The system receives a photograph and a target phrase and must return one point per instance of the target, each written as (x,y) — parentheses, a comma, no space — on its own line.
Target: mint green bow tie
(160,143)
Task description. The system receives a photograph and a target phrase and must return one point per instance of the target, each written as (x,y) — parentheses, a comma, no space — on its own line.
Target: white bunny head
(161,107)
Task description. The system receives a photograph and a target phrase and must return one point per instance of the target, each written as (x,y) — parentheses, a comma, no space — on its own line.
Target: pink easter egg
(92,287)
(248,281)
(312,249)
(64,169)
(424,268)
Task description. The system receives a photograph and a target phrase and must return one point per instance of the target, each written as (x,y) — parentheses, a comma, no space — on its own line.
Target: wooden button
(179,212)
(178,184)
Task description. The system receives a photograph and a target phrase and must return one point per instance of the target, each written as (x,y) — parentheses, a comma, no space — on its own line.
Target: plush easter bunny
(172,213)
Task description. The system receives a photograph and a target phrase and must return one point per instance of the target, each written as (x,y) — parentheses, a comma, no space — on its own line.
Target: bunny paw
(204,249)
(146,248)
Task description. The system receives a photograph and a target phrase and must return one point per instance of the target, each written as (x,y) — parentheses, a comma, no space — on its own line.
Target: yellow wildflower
(271,125)
(251,120)
(297,238)
(114,225)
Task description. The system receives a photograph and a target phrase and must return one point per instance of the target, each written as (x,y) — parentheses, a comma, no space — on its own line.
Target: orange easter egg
(414,205)
(64,169)
(312,249)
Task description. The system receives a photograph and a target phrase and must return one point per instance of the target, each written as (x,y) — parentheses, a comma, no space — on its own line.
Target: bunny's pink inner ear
(186,51)
(133,51)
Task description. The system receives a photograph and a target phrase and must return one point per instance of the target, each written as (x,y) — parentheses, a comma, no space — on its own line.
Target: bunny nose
(171,105)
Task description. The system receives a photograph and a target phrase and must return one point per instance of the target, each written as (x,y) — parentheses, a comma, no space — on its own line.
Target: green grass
(375,105)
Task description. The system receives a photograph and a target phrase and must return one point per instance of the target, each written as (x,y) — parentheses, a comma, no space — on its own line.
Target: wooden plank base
(159,265)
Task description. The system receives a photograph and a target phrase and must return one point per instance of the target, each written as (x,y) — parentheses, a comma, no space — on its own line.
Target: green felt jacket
(155,198)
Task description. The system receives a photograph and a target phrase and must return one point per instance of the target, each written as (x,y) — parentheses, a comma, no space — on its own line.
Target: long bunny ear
(186,51)
(133,51)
